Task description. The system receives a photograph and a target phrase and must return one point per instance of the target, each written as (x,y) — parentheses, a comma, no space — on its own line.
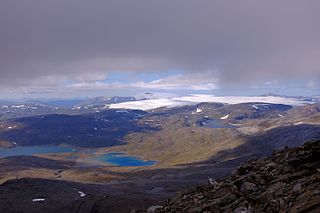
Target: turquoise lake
(116,159)
(120,159)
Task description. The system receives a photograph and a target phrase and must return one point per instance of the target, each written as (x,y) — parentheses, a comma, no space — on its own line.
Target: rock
(248,187)
(276,187)
(242,209)
(153,209)
(213,182)
(288,181)
(297,187)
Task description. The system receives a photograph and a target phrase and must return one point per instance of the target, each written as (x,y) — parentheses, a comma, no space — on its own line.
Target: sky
(80,48)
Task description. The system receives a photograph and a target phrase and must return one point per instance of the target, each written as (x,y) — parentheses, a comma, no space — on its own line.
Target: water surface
(34,150)
(115,158)
(120,159)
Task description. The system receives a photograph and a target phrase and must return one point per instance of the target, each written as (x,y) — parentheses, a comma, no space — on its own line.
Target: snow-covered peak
(38,200)
(195,99)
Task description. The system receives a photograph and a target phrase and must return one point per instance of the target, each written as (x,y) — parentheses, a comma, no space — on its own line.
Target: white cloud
(207,86)
(191,82)
(95,86)
(312,85)
(177,82)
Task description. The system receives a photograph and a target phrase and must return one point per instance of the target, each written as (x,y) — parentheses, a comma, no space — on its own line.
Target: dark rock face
(288,181)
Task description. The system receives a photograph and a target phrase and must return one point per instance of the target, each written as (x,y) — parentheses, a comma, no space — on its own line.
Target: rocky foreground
(288,181)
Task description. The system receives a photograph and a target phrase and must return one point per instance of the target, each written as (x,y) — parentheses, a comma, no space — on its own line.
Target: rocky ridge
(288,181)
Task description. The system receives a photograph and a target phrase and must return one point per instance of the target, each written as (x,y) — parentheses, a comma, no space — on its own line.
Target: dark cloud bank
(45,42)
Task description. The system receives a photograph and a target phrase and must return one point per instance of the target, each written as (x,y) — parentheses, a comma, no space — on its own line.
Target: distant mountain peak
(102,100)
(272,95)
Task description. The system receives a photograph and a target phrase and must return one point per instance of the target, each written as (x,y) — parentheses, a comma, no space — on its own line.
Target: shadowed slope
(288,181)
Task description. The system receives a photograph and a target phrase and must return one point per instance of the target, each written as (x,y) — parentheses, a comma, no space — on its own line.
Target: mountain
(171,135)
(171,101)
(146,101)
(18,109)
(243,111)
(101,129)
(102,100)
(26,109)
(312,98)
(58,102)
(187,143)
(288,181)
(196,133)
(272,94)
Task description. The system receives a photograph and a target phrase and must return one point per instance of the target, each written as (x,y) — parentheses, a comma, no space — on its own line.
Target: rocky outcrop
(288,181)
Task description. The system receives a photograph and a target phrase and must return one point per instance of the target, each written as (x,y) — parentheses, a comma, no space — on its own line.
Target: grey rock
(248,187)
(153,209)
(297,187)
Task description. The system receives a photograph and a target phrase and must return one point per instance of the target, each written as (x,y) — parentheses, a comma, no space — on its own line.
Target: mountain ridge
(288,181)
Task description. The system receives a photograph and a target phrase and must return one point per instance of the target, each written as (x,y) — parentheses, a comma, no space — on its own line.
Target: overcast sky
(74,48)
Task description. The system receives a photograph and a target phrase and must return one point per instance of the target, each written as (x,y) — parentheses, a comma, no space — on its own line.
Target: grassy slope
(176,144)
(179,141)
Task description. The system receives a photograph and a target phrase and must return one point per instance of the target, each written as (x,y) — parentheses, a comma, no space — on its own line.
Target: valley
(159,106)
(140,157)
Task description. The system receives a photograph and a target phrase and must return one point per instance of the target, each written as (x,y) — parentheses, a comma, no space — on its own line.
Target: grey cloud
(244,41)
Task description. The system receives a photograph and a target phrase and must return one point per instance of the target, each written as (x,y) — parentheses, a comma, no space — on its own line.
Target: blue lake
(115,158)
(120,159)
(33,150)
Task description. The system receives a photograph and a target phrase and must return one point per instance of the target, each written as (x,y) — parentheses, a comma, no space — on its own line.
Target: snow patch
(298,123)
(122,111)
(147,104)
(81,194)
(224,117)
(255,106)
(198,110)
(195,99)
(18,106)
(38,200)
